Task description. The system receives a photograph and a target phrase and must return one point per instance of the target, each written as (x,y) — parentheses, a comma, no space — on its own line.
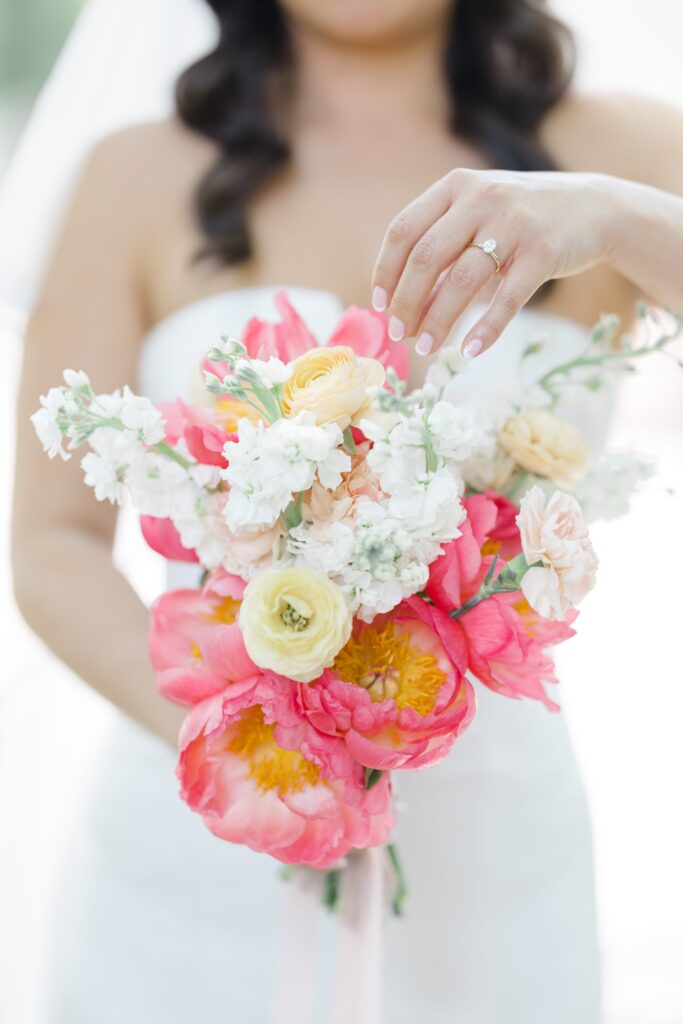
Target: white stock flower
(154,483)
(270,372)
(372,557)
(449,362)
(198,517)
(606,490)
(101,475)
(142,419)
(423,498)
(454,430)
(46,423)
(120,448)
(556,536)
(268,465)
(77,380)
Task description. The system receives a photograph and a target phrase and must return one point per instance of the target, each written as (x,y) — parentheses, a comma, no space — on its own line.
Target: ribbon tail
(358,984)
(295,985)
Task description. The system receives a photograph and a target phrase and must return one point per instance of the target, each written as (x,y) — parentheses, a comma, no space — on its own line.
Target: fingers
(400,238)
(437,249)
(462,282)
(514,291)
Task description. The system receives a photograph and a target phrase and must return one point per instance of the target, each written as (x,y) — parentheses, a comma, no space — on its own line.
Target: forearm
(646,239)
(86,612)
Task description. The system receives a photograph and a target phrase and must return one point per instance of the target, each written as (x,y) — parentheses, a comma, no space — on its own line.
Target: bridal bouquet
(367,553)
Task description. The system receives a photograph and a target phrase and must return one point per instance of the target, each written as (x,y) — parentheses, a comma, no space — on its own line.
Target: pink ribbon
(357,990)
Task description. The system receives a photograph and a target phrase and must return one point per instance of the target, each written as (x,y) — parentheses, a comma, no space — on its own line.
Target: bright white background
(623,680)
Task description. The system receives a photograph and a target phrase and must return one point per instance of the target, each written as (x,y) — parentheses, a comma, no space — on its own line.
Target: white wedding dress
(159,922)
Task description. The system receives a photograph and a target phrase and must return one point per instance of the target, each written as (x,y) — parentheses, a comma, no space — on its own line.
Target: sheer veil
(117,68)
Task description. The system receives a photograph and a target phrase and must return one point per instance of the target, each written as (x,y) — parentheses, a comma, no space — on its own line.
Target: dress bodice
(171,354)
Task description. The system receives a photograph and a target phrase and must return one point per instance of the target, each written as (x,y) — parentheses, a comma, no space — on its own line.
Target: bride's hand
(546,225)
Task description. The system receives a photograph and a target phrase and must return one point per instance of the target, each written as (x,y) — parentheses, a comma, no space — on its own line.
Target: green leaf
(372,777)
(292,515)
(349,442)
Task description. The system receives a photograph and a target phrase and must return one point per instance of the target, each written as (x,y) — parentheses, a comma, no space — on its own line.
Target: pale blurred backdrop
(622,676)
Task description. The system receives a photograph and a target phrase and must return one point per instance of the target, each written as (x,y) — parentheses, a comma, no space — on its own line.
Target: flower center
(225,611)
(295,614)
(389,667)
(270,766)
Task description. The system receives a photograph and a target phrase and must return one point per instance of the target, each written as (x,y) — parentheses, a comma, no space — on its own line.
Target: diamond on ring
(489,247)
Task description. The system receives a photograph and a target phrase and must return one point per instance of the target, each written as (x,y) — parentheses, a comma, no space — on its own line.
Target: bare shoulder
(149,162)
(625,135)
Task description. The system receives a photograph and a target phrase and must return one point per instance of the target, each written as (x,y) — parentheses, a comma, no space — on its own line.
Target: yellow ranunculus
(333,383)
(294,622)
(546,445)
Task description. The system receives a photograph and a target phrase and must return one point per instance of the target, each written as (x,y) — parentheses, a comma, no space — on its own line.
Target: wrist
(613,196)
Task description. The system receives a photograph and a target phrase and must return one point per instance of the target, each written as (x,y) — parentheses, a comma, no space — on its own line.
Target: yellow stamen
(231,410)
(388,666)
(526,614)
(270,766)
(196,651)
(225,611)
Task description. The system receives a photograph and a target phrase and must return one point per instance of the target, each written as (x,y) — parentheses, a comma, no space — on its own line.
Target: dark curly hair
(506,64)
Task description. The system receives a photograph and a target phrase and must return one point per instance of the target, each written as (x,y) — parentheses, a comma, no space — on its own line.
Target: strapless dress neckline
(172,351)
(256,294)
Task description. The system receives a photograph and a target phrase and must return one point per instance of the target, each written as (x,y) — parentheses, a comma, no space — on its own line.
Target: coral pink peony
(285,340)
(162,537)
(366,332)
(261,775)
(197,426)
(503,637)
(504,651)
(362,330)
(503,537)
(195,643)
(395,694)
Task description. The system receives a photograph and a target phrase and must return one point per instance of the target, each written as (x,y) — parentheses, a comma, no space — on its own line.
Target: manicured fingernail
(396,329)
(424,344)
(473,348)
(380,298)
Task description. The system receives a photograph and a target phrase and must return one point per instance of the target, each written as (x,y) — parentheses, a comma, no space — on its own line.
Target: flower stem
(401,889)
(165,449)
(508,581)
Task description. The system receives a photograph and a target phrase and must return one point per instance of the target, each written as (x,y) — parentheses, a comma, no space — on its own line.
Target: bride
(342,151)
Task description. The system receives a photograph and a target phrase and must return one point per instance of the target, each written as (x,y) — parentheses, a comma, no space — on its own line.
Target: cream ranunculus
(555,535)
(294,622)
(333,383)
(546,445)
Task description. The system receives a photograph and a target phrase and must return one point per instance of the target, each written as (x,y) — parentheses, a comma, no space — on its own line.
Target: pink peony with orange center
(395,695)
(503,636)
(195,642)
(260,774)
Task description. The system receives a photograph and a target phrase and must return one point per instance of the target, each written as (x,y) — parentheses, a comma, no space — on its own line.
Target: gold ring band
(489,247)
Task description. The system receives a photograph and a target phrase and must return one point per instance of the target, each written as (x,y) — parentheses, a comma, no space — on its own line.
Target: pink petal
(162,537)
